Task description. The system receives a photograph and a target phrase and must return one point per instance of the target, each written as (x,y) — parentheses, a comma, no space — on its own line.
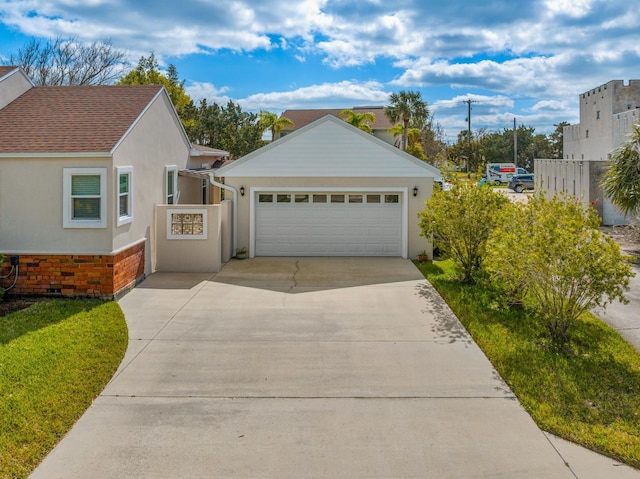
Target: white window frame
(68,221)
(128,218)
(174,169)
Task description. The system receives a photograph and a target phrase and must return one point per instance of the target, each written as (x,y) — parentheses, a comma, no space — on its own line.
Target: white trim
(402,191)
(40,154)
(67,202)
(429,170)
(123,220)
(167,169)
(18,69)
(188,211)
(76,252)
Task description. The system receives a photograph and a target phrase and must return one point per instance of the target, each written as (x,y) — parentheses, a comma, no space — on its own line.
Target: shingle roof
(72,119)
(6,69)
(301,118)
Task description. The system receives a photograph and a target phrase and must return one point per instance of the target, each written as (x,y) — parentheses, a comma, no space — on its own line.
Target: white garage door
(328,224)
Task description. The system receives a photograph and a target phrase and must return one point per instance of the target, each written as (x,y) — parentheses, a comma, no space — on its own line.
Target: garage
(321,223)
(329,189)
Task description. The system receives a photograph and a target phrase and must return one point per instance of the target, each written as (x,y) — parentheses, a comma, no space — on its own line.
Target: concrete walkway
(296,368)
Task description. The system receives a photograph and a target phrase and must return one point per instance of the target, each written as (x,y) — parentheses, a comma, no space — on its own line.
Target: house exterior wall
(14,84)
(416,243)
(31,202)
(191,254)
(92,275)
(155,141)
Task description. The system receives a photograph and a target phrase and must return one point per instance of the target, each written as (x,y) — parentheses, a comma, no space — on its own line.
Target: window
(301,198)
(265,198)
(187,224)
(319,198)
(283,198)
(587,133)
(598,115)
(337,198)
(125,195)
(373,198)
(355,198)
(84,197)
(391,198)
(171,184)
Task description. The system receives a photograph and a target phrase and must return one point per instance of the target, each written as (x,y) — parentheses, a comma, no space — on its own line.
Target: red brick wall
(77,275)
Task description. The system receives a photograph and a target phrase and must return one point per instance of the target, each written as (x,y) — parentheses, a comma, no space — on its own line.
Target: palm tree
(414,140)
(622,180)
(273,122)
(409,109)
(362,121)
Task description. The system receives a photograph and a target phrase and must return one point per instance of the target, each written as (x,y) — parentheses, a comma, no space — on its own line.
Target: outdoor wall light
(415,191)
(242,191)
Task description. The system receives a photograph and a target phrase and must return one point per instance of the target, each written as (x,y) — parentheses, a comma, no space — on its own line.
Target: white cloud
(343,94)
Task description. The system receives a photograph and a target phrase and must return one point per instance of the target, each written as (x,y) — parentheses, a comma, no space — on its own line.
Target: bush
(552,251)
(460,221)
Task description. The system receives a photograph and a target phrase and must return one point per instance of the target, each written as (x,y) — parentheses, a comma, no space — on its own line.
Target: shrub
(553,250)
(460,221)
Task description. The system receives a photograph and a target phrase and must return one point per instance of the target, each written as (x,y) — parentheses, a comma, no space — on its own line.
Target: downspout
(235,210)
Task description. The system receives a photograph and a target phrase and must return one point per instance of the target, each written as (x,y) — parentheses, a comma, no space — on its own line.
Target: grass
(590,396)
(55,358)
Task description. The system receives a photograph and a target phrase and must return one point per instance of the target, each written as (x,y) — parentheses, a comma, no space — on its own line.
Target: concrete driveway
(310,367)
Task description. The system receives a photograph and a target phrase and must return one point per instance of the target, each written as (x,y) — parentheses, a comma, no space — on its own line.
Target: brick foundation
(77,275)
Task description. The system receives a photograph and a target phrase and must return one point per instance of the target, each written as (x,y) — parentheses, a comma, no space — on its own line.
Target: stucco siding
(31,206)
(12,86)
(155,141)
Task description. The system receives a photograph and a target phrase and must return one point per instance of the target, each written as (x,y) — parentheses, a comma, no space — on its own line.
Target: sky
(528,60)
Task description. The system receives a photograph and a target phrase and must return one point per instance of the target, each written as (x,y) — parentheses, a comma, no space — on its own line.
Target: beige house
(330,189)
(82,171)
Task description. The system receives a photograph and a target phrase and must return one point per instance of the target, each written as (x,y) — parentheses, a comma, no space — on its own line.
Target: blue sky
(524,59)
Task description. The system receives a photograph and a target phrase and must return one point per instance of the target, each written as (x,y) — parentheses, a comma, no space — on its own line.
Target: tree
(409,109)
(228,128)
(363,121)
(553,250)
(556,140)
(460,221)
(622,180)
(274,123)
(414,140)
(68,62)
(147,72)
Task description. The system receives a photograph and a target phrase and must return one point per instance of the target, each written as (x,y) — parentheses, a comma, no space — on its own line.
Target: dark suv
(519,183)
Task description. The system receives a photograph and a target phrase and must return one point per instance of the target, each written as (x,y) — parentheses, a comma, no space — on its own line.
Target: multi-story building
(606,115)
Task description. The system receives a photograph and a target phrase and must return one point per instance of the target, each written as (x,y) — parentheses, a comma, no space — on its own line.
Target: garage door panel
(328,229)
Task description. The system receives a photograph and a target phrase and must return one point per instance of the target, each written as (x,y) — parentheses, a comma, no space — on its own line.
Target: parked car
(444,185)
(521,171)
(519,183)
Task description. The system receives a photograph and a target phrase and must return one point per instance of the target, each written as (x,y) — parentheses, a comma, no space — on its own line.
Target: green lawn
(55,358)
(590,396)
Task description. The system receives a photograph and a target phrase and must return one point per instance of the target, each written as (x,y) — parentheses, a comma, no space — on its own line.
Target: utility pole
(468,102)
(515,143)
